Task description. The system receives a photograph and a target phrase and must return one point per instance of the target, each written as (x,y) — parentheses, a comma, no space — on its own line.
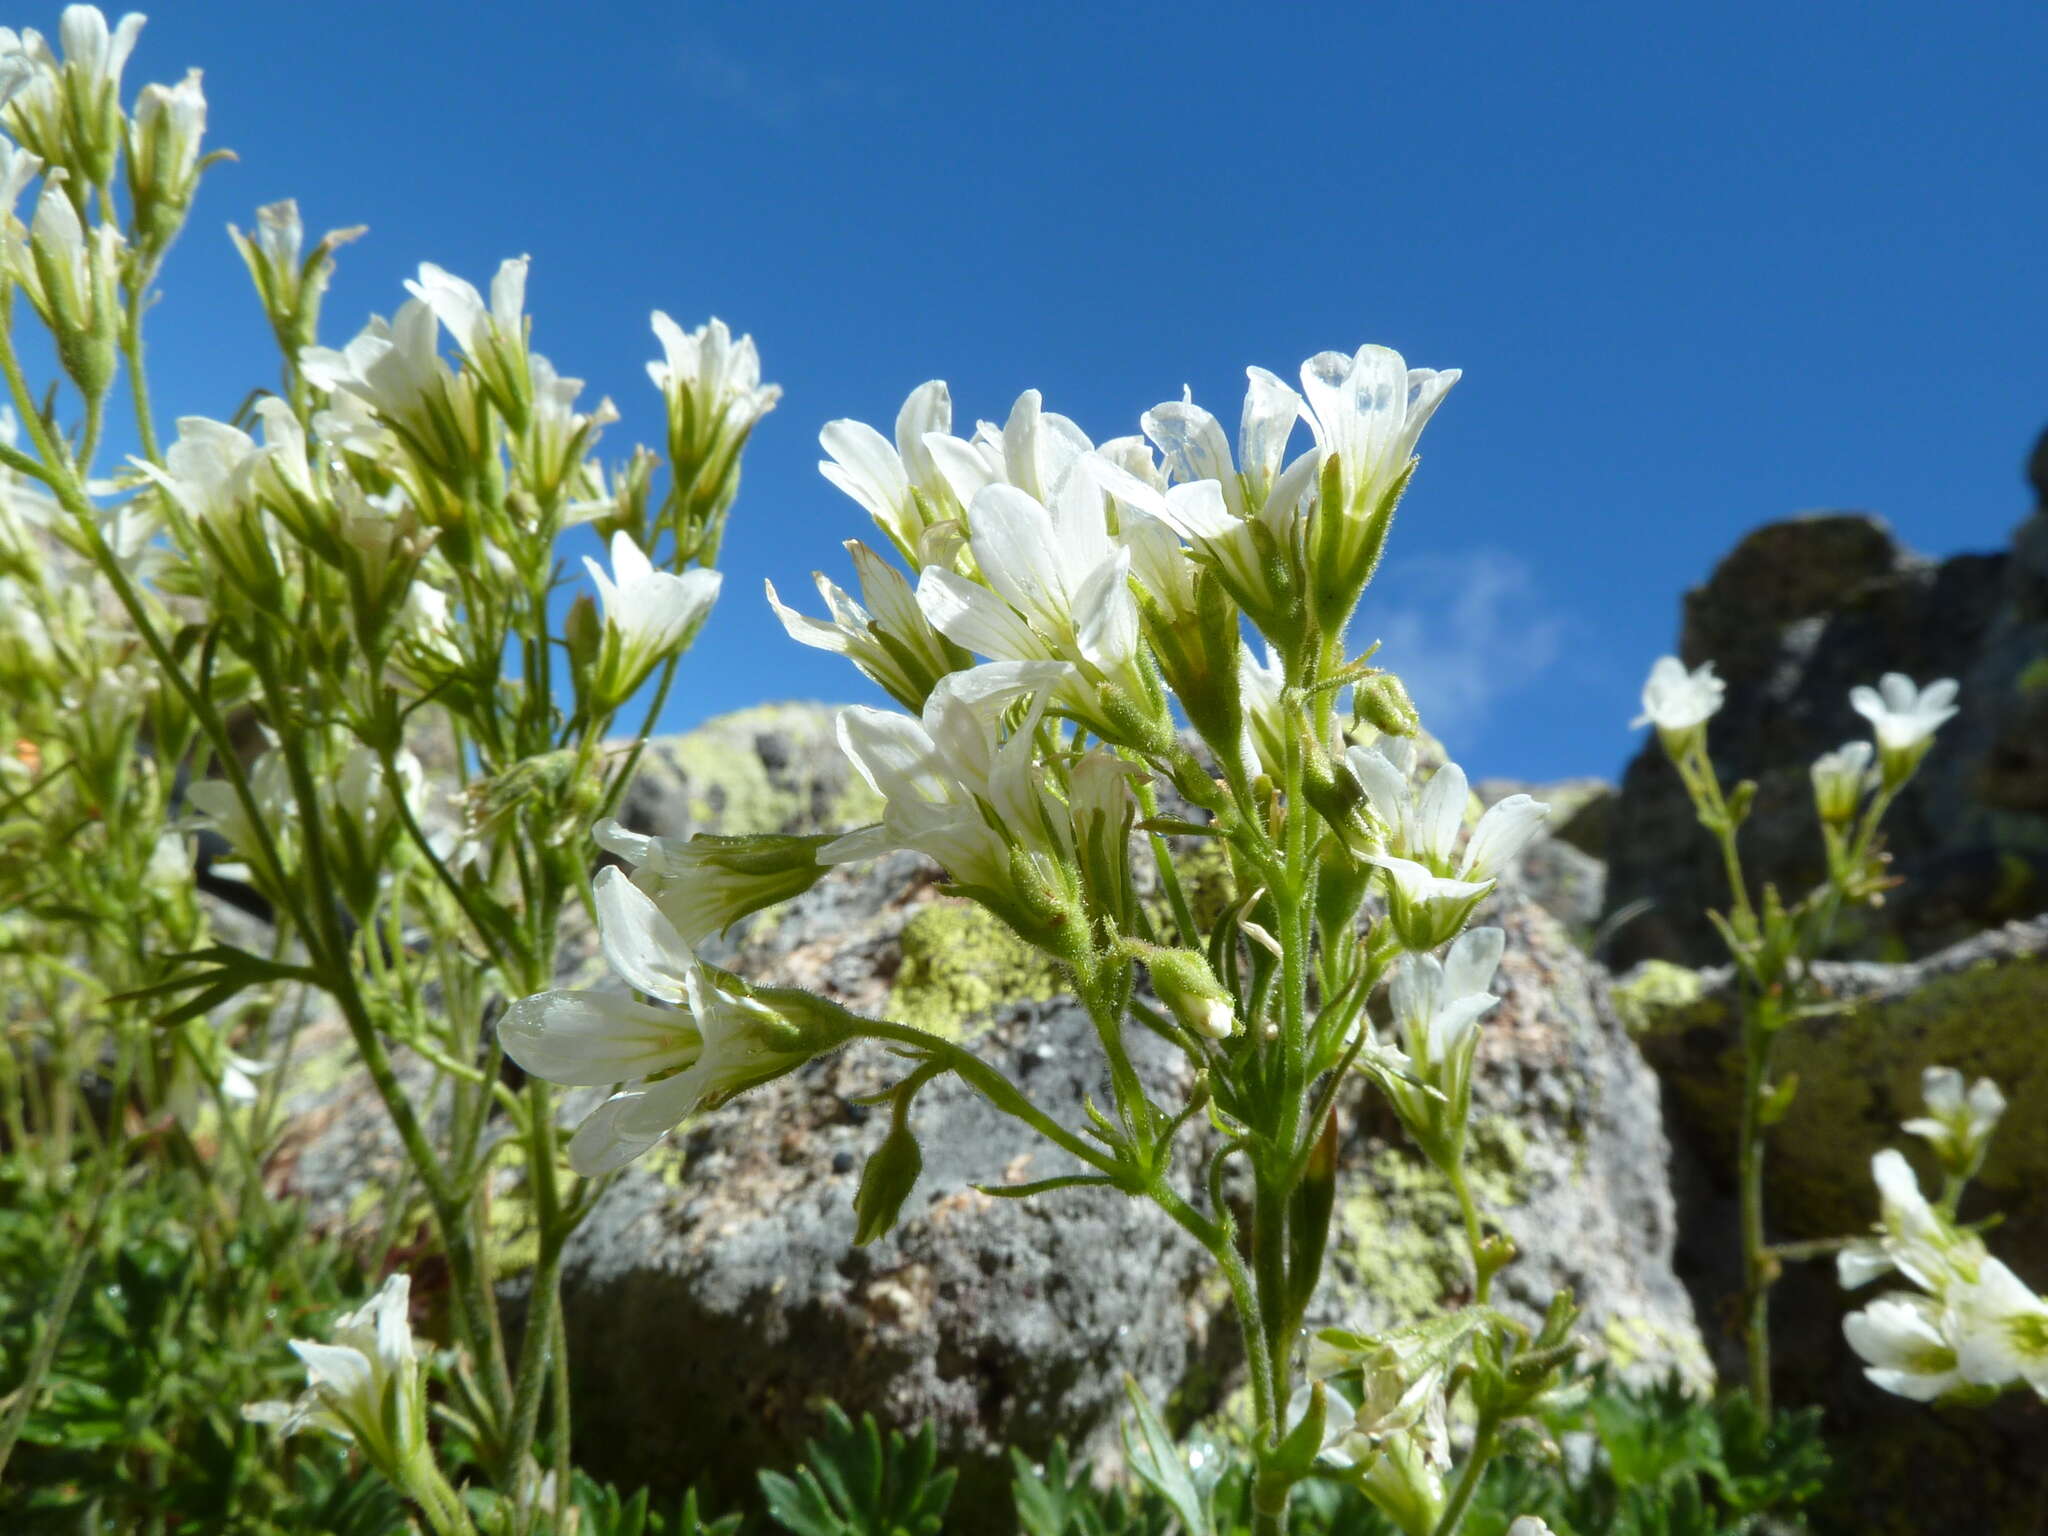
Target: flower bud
(163,159)
(1187,986)
(1381,700)
(70,276)
(1839,780)
(290,285)
(891,1173)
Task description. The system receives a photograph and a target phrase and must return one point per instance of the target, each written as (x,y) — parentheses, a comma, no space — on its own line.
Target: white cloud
(1462,632)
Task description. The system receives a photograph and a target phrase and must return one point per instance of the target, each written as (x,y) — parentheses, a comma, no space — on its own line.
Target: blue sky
(1703,266)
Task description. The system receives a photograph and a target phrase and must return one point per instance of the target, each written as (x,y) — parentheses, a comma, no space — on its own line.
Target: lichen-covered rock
(715,1293)
(1797,614)
(1567,1149)
(771,768)
(1980,1006)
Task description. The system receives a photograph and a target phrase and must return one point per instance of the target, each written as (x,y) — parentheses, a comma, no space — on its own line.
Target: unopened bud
(1383,701)
(1189,988)
(886,1182)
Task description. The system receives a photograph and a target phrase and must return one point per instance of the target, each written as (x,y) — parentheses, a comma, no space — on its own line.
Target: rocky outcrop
(1798,613)
(1980,1006)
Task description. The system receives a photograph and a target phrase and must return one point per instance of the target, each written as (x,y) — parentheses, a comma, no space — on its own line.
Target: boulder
(714,1295)
(1798,613)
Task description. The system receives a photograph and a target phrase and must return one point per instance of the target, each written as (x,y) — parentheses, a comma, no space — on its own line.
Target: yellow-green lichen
(729,787)
(960,963)
(1397,1246)
(1632,1343)
(511,1233)
(1653,995)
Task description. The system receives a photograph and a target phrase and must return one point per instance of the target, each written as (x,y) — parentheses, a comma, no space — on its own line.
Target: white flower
(1529,1525)
(1057,588)
(1236,521)
(901,486)
(2002,1328)
(889,638)
(366,799)
(213,473)
(1366,411)
(1425,828)
(163,151)
(93,51)
(493,339)
(397,371)
(1427,909)
(713,1043)
(1957,1125)
(1904,719)
(649,614)
(1431,889)
(1437,1006)
(1677,701)
(68,274)
(715,396)
(220,810)
(1913,1237)
(364,1386)
(956,787)
(1266,726)
(1840,778)
(1905,1346)
(705,884)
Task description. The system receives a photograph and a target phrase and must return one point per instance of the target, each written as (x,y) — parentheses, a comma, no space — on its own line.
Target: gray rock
(714,1294)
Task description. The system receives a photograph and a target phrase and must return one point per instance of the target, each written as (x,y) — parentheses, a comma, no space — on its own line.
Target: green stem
(1475,1235)
(1484,1438)
(1758,1266)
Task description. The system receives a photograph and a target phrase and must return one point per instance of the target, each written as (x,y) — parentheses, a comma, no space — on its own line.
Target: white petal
(970,615)
(593,1038)
(642,946)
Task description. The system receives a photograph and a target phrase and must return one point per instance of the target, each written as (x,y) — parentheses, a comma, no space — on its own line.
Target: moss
(960,963)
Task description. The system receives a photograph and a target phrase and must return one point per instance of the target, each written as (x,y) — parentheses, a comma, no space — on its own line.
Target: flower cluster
(1063,625)
(1971,1328)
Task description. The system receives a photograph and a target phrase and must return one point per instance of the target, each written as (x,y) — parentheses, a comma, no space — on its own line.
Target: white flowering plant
(1067,630)
(1772,943)
(244,635)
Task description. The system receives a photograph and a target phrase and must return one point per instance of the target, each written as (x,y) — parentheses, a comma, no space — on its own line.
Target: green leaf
(1156,1461)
